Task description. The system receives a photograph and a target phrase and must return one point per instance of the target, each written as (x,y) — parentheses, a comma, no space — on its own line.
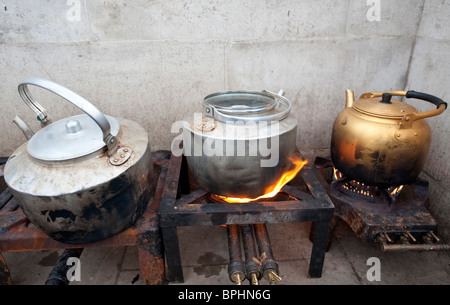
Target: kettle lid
(384,106)
(73,137)
(69,138)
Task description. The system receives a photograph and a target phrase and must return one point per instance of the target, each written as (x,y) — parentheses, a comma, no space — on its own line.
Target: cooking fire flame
(272,190)
(362,188)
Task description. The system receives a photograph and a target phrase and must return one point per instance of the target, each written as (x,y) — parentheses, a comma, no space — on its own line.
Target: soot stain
(211,264)
(50,259)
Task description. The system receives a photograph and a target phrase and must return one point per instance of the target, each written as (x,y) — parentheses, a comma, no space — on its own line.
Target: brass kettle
(382,142)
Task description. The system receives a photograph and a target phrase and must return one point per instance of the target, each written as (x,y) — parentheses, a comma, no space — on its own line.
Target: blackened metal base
(370,219)
(16,234)
(183,205)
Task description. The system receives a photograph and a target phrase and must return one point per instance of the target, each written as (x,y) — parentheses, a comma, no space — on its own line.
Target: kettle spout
(23,127)
(350,98)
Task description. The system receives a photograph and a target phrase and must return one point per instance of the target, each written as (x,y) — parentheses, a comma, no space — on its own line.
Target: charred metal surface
(414,247)
(320,241)
(5,276)
(173,257)
(151,255)
(95,214)
(3,185)
(89,199)
(269,265)
(252,263)
(308,202)
(58,275)
(5,196)
(17,235)
(370,218)
(334,222)
(236,267)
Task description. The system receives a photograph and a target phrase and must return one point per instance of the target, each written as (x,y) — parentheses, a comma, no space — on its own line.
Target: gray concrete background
(154,61)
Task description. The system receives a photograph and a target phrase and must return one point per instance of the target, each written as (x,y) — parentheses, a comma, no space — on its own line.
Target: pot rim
(187,125)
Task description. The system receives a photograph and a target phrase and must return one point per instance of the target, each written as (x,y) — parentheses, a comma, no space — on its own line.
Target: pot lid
(384,107)
(69,138)
(241,102)
(246,106)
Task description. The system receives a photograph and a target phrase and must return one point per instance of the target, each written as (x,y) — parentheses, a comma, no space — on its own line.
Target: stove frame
(370,219)
(180,207)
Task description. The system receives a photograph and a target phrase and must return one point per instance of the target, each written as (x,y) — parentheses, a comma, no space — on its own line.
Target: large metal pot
(83,178)
(242,144)
(382,142)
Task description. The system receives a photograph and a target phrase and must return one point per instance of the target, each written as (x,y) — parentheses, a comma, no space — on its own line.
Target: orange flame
(272,190)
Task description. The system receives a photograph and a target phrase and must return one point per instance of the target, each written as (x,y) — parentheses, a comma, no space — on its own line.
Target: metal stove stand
(182,207)
(398,225)
(16,234)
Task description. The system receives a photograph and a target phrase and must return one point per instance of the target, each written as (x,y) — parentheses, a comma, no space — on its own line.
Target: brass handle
(380,94)
(440,104)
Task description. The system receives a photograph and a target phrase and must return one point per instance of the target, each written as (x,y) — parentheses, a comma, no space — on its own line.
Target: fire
(394,191)
(272,190)
(336,174)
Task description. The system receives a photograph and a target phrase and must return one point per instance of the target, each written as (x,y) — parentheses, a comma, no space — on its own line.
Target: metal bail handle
(222,117)
(71,97)
(439,103)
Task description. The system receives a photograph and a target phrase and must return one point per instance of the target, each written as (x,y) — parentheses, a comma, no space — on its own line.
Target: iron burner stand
(380,220)
(16,234)
(183,205)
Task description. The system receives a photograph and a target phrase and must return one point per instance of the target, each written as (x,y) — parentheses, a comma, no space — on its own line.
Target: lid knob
(73,127)
(386,98)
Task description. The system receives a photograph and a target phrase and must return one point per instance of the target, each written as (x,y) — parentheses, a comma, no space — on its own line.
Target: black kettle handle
(426,97)
(386,96)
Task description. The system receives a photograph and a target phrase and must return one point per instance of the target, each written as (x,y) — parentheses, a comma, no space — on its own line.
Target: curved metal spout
(23,127)
(350,98)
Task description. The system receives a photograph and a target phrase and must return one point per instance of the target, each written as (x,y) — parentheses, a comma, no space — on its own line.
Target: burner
(280,196)
(365,192)
(183,203)
(395,217)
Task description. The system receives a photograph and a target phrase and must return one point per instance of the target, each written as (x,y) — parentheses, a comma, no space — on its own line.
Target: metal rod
(58,275)
(236,268)
(410,236)
(252,263)
(387,237)
(434,235)
(413,247)
(269,265)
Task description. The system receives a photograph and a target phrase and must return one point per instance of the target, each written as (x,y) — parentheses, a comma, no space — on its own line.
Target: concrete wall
(154,61)
(429,71)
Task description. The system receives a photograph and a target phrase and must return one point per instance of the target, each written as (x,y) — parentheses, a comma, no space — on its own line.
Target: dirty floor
(204,254)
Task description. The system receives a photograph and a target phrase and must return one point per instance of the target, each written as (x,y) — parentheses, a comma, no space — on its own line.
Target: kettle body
(243,144)
(84,178)
(382,142)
